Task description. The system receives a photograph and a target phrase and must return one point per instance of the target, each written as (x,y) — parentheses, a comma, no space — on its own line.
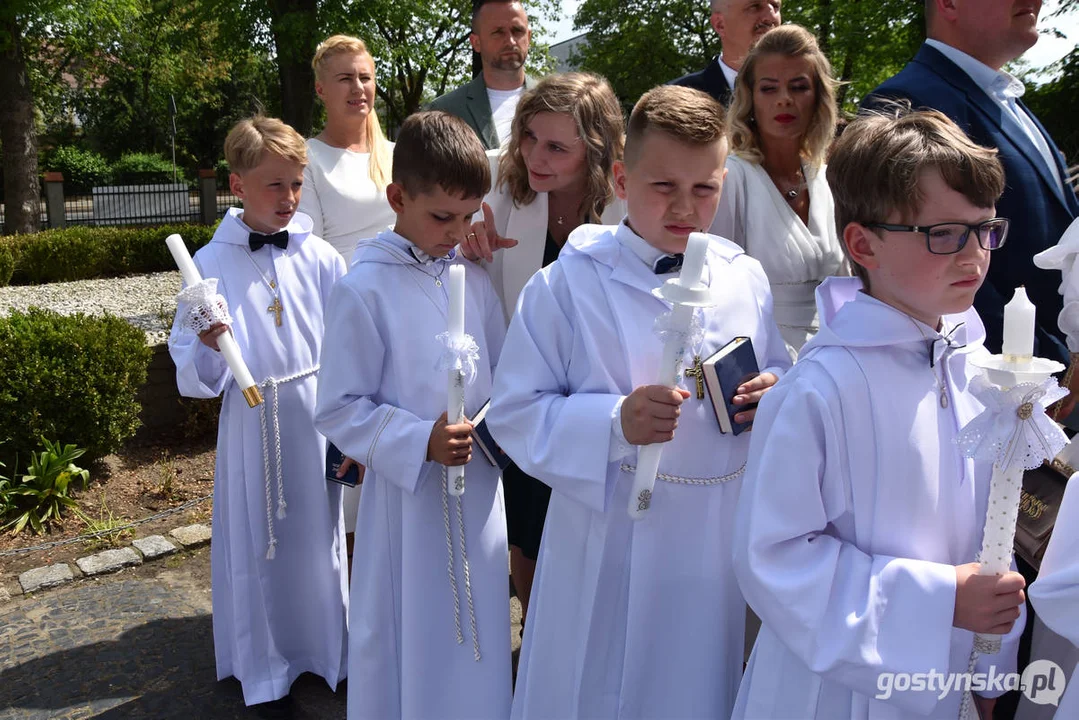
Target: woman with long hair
(349,162)
(553,175)
(776,203)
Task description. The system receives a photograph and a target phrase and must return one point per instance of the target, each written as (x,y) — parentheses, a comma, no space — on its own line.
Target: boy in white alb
(280,593)
(634,619)
(860,520)
(429,621)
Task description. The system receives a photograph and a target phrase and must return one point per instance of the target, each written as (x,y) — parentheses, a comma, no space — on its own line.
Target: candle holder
(676,328)
(1017,435)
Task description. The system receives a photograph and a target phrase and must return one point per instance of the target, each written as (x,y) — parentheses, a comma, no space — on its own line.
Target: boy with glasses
(860,519)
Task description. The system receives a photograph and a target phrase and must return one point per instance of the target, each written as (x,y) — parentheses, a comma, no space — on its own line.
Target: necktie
(258,240)
(667,264)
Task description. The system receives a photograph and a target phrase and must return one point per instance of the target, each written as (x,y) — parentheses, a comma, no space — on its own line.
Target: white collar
(645,252)
(400,241)
(728,72)
(995,83)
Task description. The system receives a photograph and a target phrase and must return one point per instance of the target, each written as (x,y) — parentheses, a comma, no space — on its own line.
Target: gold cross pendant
(276,309)
(697,373)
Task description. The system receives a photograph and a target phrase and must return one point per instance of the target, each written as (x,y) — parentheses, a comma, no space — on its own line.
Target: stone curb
(148,548)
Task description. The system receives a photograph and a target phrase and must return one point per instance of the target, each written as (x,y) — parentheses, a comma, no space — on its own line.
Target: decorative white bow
(460,354)
(1013,431)
(200,307)
(665,330)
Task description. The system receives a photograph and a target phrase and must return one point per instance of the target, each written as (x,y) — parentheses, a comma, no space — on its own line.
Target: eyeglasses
(950,238)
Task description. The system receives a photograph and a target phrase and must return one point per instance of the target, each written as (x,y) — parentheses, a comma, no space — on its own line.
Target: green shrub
(41,496)
(7,262)
(84,253)
(73,377)
(143,167)
(82,169)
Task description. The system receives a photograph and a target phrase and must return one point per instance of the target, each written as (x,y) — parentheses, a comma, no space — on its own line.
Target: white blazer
(512,268)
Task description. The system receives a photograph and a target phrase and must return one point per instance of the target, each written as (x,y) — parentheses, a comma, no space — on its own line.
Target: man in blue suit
(739,24)
(958,71)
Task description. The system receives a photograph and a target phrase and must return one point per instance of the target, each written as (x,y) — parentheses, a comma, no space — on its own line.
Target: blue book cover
(724,371)
(334,458)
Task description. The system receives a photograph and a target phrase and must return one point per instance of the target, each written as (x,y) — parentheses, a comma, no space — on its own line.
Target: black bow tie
(258,240)
(667,264)
(949,343)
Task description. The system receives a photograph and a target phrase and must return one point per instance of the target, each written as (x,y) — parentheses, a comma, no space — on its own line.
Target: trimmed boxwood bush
(140,167)
(68,376)
(85,253)
(7,262)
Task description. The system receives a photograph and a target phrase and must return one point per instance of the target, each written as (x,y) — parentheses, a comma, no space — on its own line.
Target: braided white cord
(968,696)
(679,480)
(270,385)
(449,566)
(277,456)
(468,581)
(271,549)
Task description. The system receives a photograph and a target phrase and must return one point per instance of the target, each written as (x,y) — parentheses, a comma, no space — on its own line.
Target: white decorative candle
(1019,316)
(455,406)
(225,341)
(674,349)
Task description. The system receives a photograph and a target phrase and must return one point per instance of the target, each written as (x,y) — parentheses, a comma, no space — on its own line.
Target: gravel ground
(146,301)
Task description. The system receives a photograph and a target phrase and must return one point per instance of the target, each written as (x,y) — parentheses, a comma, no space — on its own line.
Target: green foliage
(148,166)
(84,253)
(40,497)
(7,262)
(69,376)
(1056,104)
(82,169)
(638,44)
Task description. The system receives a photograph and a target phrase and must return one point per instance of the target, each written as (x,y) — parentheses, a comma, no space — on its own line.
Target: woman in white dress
(554,174)
(349,162)
(776,203)
(348,169)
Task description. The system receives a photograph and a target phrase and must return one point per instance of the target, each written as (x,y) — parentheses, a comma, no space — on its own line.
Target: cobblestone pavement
(134,645)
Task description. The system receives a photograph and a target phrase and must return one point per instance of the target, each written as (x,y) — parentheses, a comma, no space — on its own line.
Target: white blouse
(341,198)
(796,258)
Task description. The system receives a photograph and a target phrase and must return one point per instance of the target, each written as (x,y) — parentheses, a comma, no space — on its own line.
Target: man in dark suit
(739,24)
(958,71)
(501,36)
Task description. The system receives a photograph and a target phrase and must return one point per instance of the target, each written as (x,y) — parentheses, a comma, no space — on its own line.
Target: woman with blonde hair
(776,203)
(349,162)
(553,175)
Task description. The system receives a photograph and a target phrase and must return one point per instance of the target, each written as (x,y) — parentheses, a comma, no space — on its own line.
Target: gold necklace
(276,307)
(932,364)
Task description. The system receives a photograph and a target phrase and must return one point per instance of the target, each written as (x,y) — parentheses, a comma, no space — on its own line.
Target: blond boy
(634,619)
(860,520)
(278,557)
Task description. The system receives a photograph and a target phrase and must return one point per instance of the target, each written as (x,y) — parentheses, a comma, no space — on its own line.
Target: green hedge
(73,377)
(85,253)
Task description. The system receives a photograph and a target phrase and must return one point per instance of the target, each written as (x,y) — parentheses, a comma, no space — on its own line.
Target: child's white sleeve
(1055,594)
(551,431)
(848,615)
(200,371)
(383,438)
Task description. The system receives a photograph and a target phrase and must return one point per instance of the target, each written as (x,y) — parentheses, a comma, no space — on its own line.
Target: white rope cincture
(679,480)
(453,574)
(270,385)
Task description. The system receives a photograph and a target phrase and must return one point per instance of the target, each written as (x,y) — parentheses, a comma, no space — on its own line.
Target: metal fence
(148,200)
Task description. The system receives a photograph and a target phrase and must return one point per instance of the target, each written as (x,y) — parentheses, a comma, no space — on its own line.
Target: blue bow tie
(258,240)
(667,264)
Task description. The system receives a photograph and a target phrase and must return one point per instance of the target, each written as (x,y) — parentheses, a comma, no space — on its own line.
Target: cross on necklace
(276,309)
(697,373)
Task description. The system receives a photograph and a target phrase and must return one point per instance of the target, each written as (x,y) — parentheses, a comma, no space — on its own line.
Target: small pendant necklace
(943,388)
(437,277)
(276,307)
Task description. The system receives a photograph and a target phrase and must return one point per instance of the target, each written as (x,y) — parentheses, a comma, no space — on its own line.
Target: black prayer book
(724,371)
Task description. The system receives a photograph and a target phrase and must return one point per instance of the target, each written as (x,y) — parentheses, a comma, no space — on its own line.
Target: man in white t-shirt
(739,24)
(501,36)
